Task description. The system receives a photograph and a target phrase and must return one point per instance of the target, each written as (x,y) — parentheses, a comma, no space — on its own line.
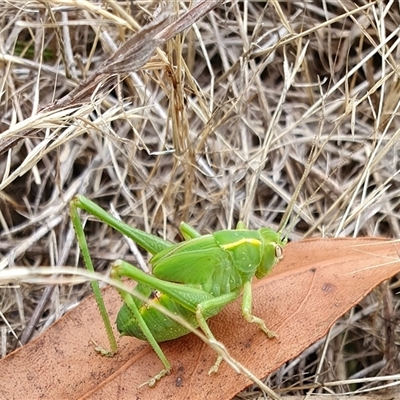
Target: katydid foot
(270,334)
(260,322)
(102,351)
(214,368)
(153,381)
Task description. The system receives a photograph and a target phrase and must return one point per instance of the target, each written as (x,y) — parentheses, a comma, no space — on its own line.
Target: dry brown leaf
(315,284)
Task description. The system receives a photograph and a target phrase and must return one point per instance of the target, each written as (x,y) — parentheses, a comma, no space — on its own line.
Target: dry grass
(217,126)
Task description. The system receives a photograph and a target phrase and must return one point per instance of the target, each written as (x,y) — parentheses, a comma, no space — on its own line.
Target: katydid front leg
(247,307)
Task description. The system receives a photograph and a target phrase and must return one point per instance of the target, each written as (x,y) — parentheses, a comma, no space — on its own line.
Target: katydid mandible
(195,279)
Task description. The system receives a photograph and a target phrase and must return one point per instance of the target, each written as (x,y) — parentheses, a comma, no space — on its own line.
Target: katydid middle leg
(203,307)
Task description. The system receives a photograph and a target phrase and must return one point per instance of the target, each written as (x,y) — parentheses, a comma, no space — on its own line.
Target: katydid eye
(278,252)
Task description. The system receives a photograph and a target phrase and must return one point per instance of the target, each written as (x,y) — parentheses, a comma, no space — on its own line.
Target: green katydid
(195,279)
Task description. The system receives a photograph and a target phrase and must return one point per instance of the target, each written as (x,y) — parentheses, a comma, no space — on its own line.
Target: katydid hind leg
(152,244)
(247,310)
(81,202)
(77,224)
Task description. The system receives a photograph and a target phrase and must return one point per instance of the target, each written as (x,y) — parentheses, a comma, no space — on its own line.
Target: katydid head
(271,251)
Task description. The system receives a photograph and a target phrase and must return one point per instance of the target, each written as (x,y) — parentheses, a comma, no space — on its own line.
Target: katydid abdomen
(161,326)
